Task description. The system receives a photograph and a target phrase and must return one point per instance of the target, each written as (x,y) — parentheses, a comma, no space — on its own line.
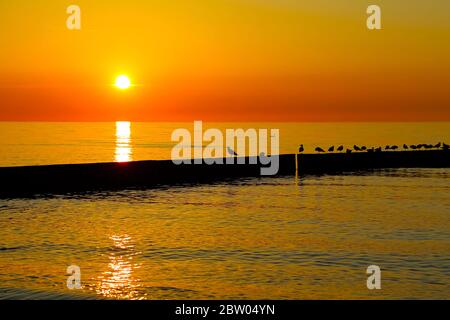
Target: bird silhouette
(301,149)
(438,145)
(263,158)
(231,151)
(405,147)
(363,148)
(387,148)
(340,148)
(394,147)
(414,147)
(356,148)
(319,149)
(445,146)
(331,149)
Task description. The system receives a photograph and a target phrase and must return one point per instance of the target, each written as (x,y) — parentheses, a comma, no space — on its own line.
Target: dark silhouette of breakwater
(59,179)
(348,162)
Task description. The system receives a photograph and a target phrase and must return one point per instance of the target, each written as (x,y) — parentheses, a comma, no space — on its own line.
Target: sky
(225,60)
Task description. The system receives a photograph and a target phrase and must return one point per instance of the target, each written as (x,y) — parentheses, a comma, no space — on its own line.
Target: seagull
(363,148)
(356,148)
(394,147)
(231,151)
(405,147)
(340,148)
(387,148)
(331,149)
(263,158)
(438,145)
(414,147)
(319,149)
(301,149)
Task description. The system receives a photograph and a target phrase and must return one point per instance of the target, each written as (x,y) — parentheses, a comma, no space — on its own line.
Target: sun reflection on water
(123,151)
(118,281)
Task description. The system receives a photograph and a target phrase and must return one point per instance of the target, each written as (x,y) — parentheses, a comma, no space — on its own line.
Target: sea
(310,237)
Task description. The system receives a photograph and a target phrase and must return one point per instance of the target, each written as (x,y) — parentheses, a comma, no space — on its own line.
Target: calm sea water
(268,238)
(25,143)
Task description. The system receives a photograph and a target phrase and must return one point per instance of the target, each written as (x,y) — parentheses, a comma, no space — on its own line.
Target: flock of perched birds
(379,149)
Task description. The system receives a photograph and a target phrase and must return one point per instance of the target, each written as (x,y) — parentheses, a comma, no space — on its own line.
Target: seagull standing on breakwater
(231,151)
(301,149)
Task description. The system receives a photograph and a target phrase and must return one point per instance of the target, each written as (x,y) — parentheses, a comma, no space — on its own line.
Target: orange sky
(225,60)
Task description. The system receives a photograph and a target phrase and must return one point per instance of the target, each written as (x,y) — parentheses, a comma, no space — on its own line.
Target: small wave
(28,294)
(12,248)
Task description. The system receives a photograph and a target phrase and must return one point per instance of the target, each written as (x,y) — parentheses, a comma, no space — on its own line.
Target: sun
(123,82)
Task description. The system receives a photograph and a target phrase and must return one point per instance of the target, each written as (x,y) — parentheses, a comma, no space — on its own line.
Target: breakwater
(51,179)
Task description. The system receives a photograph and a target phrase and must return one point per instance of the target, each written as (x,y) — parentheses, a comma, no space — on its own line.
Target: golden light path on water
(118,280)
(123,151)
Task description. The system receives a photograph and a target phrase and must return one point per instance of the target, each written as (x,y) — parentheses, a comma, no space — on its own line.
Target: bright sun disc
(122,82)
